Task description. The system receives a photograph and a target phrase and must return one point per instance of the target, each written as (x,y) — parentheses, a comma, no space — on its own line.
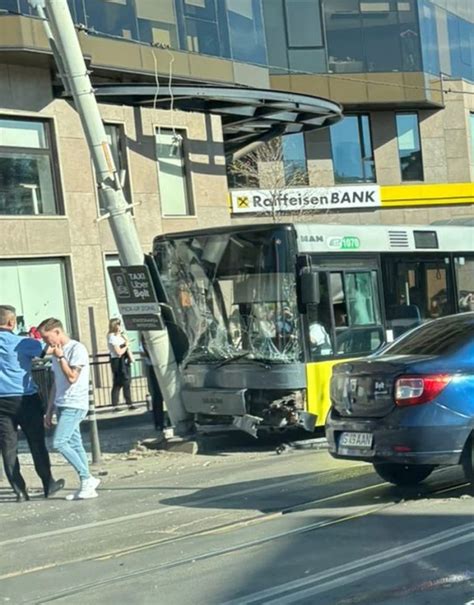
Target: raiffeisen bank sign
(305,199)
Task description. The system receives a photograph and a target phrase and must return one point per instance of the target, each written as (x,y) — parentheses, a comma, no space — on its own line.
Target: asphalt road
(248,528)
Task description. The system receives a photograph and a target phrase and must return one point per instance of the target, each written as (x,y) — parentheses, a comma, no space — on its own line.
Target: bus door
(347,322)
(416,290)
(464,268)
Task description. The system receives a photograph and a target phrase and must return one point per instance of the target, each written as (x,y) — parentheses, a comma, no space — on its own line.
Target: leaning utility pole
(60,30)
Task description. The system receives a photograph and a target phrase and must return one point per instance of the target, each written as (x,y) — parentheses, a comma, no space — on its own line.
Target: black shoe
(22,496)
(53,487)
(132,407)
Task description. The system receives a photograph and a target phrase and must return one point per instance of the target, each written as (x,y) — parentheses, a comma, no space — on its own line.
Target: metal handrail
(101,377)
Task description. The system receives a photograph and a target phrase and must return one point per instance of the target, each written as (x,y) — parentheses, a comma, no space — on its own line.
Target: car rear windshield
(435,338)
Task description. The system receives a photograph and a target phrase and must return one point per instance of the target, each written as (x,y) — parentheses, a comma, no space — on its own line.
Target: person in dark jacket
(120,360)
(20,405)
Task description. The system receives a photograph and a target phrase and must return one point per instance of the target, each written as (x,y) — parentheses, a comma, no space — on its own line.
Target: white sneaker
(92,483)
(87,490)
(82,495)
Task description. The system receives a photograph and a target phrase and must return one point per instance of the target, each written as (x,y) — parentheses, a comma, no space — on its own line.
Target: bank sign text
(305,199)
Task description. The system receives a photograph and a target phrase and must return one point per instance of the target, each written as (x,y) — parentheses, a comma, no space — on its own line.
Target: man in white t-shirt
(70,399)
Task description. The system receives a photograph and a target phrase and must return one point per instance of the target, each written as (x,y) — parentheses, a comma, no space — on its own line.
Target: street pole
(94,431)
(60,30)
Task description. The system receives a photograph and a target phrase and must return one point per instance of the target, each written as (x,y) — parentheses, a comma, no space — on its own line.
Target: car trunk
(364,388)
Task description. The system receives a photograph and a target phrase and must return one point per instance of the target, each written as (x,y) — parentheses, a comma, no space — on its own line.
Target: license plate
(356,440)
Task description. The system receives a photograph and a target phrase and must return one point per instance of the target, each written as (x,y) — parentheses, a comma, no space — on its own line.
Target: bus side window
(465,283)
(319,323)
(356,310)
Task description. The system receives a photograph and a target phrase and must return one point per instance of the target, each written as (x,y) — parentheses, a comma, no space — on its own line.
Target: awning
(249,115)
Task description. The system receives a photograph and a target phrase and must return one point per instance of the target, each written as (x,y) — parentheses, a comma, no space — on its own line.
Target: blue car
(409,407)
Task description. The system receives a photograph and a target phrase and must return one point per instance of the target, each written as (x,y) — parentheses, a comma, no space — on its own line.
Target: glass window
(275,35)
(10,5)
(233,295)
(308,60)
(114,17)
(294,160)
(347,320)
(116,140)
(444,338)
(37,289)
(465,283)
(344,36)
(416,291)
(26,168)
(303,22)
(202,9)
(202,37)
(381,36)
(173,185)
(157,22)
(409,147)
(247,37)
(372,35)
(429,38)
(319,321)
(352,152)
(356,311)
(410,39)
(461,40)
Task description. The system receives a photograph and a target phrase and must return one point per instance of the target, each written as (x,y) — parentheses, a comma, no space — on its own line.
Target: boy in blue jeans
(70,399)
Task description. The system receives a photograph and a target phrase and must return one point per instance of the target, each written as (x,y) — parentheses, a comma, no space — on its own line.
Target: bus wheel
(467,459)
(403,474)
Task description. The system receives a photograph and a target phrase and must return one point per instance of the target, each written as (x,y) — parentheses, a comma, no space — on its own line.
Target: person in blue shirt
(20,405)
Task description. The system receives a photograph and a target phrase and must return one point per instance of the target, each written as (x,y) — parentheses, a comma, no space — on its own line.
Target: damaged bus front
(233,295)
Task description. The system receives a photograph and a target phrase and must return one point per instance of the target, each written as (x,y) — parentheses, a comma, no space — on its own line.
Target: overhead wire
(157,91)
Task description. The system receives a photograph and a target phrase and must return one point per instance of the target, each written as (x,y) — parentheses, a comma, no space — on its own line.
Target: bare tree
(267,168)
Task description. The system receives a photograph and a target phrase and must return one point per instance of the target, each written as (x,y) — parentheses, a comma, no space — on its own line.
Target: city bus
(260,314)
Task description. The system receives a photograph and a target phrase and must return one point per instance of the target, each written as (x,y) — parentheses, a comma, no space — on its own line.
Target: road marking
(350,572)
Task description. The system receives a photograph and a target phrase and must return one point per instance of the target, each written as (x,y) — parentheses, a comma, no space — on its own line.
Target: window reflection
(344,36)
(465,283)
(371,35)
(303,23)
(157,22)
(202,37)
(27,183)
(225,28)
(352,151)
(294,160)
(110,17)
(447,39)
(10,5)
(247,38)
(173,184)
(409,147)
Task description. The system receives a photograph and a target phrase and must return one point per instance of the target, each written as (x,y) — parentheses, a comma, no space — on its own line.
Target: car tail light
(413,390)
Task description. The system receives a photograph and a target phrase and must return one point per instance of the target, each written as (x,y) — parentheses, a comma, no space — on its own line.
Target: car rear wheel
(403,474)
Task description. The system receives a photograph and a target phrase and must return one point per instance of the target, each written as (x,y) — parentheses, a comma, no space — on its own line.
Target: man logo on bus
(348,242)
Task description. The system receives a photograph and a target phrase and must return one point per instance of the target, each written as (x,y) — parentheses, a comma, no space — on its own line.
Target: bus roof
(328,238)
(384,238)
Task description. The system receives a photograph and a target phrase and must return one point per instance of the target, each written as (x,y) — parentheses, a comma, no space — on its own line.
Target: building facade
(403,70)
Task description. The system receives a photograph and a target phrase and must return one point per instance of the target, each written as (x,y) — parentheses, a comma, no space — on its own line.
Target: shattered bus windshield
(233,294)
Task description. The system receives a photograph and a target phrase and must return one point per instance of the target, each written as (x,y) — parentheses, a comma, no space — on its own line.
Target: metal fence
(101,377)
